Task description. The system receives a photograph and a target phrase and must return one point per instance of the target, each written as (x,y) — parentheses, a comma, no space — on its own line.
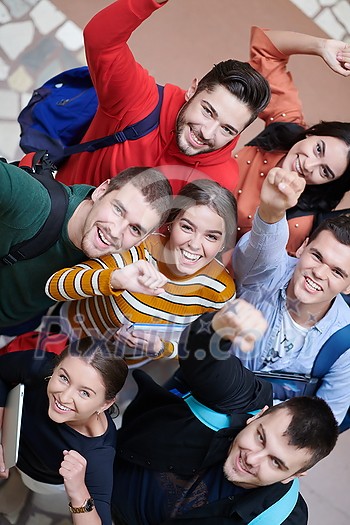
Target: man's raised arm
(215,377)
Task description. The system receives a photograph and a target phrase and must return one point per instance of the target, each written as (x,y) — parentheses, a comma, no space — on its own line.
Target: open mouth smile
(195,140)
(311,284)
(103,238)
(61,408)
(298,167)
(192,257)
(242,466)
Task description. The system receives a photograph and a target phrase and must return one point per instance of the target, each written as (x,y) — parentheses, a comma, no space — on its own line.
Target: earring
(169,228)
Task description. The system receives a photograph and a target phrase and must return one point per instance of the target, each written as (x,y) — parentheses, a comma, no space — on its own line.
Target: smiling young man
(121,212)
(187,468)
(198,128)
(113,217)
(300,297)
(263,452)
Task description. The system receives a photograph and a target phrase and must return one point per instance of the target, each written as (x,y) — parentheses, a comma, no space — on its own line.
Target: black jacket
(160,432)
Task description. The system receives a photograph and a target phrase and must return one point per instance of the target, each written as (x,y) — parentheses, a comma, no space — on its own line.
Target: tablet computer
(11,426)
(168,332)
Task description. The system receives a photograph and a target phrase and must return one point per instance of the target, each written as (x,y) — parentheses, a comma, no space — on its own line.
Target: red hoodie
(127,94)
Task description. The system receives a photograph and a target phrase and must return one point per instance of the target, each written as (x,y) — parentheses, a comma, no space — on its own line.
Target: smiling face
(318,159)
(117,221)
(209,120)
(260,454)
(197,235)
(76,392)
(323,271)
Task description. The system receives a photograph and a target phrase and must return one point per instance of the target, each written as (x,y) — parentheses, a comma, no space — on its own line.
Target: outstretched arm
(335,53)
(108,275)
(126,91)
(260,257)
(216,377)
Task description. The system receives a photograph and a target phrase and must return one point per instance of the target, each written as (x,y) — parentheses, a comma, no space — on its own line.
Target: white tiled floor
(38,38)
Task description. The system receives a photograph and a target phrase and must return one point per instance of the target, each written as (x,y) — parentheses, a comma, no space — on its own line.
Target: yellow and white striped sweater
(94,307)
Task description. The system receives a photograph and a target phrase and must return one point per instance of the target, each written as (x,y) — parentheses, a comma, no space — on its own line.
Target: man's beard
(186,148)
(92,252)
(88,248)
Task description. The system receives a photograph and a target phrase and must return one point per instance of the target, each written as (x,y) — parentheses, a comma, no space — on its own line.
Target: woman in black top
(67,434)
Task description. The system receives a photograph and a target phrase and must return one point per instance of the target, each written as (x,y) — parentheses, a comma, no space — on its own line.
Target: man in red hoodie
(198,128)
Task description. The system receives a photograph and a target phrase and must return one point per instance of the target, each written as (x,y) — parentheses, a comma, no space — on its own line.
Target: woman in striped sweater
(178,271)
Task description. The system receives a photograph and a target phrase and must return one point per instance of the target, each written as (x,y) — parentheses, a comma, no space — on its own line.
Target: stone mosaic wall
(37,40)
(332,16)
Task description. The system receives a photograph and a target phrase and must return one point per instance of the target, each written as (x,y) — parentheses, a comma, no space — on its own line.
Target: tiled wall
(332,16)
(37,40)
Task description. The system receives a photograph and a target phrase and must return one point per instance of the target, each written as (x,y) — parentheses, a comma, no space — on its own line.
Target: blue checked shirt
(263,270)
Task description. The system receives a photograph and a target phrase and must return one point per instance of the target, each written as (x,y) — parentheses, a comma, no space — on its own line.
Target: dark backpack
(40,167)
(60,112)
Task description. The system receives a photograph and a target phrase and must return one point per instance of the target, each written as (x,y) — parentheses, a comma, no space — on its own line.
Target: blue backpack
(287,385)
(60,112)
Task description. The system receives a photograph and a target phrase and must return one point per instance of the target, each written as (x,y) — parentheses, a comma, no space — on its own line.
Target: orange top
(255,163)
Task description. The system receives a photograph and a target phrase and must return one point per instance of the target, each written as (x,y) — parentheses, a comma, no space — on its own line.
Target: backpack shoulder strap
(133,132)
(210,418)
(281,509)
(41,169)
(331,350)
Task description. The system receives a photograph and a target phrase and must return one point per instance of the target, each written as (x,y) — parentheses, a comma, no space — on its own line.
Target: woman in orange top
(320,154)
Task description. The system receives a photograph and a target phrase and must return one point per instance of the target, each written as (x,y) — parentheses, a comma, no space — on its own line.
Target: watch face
(89,505)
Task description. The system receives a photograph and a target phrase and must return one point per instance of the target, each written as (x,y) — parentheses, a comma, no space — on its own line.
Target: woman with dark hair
(320,153)
(68,438)
(181,264)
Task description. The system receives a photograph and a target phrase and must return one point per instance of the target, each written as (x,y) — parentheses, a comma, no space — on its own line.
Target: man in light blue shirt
(299,297)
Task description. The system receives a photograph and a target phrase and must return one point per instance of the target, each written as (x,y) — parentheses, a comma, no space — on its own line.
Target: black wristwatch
(87,506)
